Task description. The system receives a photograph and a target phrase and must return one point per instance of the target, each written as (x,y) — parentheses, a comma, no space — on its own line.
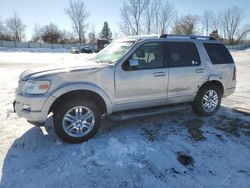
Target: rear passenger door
(186,71)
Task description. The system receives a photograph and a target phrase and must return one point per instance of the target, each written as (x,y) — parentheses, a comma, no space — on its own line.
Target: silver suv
(132,77)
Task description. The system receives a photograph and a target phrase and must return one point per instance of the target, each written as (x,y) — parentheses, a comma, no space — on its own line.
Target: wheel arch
(78,90)
(215,82)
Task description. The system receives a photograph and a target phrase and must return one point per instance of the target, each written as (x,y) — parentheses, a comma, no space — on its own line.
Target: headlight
(35,87)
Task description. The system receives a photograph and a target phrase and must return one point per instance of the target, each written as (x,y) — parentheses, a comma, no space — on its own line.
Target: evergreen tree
(106,33)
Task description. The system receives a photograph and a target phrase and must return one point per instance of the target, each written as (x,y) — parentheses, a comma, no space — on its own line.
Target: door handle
(199,70)
(158,74)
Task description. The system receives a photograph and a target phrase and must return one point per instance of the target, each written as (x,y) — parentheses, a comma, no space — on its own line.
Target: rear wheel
(77,120)
(207,101)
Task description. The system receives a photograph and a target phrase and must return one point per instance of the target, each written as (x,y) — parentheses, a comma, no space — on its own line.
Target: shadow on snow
(122,151)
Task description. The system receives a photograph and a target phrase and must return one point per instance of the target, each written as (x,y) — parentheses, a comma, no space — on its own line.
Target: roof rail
(187,37)
(141,36)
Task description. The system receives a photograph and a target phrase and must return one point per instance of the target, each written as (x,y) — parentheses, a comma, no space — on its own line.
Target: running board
(126,115)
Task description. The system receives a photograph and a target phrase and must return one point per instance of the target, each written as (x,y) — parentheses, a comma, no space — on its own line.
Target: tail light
(234,75)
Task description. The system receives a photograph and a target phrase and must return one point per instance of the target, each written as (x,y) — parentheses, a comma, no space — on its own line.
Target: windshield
(112,52)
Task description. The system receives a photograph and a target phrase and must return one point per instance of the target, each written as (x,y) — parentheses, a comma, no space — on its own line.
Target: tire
(206,103)
(77,120)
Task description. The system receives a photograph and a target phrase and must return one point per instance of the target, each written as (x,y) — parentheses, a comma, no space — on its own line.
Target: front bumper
(32,108)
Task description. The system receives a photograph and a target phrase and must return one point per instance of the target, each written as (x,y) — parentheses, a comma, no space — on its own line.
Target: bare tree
(242,33)
(16,27)
(66,37)
(149,18)
(37,33)
(78,14)
(156,6)
(231,20)
(165,18)
(208,22)
(158,16)
(51,33)
(116,35)
(125,26)
(186,25)
(92,35)
(2,28)
(131,14)
(3,32)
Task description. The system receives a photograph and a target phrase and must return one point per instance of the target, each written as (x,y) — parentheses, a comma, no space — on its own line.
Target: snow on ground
(35,50)
(136,153)
(38,55)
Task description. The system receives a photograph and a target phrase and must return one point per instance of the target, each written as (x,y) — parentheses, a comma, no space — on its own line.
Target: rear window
(218,53)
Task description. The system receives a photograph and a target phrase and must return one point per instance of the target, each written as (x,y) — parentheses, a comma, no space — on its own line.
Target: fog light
(26,107)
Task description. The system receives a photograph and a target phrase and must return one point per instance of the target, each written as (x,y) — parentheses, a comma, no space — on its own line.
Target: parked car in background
(74,50)
(86,49)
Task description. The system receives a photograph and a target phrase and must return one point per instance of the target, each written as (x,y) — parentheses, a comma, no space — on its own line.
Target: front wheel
(207,101)
(77,121)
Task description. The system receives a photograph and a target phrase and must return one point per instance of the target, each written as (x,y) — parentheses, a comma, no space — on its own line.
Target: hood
(50,70)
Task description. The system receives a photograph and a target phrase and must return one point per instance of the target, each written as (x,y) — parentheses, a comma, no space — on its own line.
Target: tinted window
(218,53)
(182,54)
(149,55)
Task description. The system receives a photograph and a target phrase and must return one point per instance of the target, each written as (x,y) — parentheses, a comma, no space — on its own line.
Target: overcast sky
(43,12)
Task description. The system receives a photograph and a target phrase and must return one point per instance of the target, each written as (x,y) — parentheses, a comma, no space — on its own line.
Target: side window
(218,53)
(182,54)
(149,55)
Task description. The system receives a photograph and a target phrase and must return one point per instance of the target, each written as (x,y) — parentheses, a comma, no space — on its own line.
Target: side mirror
(130,65)
(133,63)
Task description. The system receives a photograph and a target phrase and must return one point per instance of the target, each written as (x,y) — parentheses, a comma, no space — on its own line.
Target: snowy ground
(137,153)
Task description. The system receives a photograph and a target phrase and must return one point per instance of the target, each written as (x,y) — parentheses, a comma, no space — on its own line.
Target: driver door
(143,84)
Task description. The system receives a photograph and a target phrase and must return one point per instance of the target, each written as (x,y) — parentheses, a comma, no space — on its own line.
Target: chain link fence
(13,44)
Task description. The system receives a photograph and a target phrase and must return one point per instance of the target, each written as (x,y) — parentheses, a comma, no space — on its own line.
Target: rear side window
(182,54)
(218,53)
